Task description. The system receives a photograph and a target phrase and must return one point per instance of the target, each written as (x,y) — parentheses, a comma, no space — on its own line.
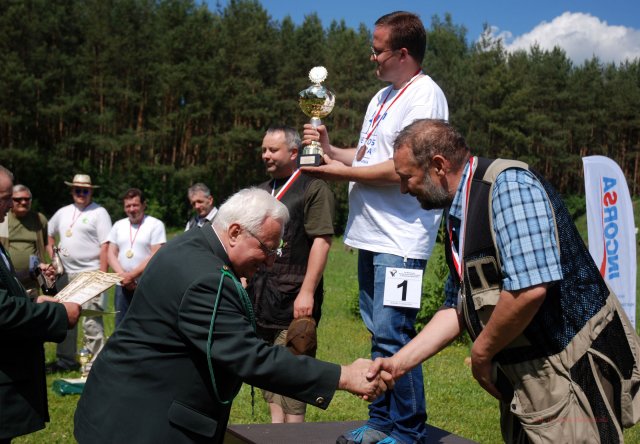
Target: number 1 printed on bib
(402,287)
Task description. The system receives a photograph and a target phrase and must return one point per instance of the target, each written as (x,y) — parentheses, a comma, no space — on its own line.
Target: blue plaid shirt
(525,235)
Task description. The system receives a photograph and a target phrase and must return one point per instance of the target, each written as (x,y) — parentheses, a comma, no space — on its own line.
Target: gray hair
(427,138)
(6,172)
(249,208)
(19,188)
(193,189)
(291,135)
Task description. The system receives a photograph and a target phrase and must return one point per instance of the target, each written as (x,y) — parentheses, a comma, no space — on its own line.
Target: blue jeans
(401,412)
(123,299)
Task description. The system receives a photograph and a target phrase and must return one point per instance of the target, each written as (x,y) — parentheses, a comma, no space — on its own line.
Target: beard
(433,195)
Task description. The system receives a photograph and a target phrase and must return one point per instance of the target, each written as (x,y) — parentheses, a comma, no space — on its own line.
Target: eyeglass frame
(270,252)
(21,199)
(377,54)
(81,191)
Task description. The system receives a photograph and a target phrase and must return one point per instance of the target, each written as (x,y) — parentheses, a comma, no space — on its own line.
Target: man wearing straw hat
(83,228)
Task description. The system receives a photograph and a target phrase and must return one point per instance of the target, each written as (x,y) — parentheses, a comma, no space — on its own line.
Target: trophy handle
(311,155)
(315,122)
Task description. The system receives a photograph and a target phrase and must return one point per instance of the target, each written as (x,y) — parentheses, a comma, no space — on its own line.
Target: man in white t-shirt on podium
(390,230)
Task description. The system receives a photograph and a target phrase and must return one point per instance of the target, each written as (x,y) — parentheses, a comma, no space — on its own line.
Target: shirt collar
(455,210)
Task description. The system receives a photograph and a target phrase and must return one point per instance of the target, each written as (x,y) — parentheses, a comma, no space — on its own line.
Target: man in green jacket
(175,363)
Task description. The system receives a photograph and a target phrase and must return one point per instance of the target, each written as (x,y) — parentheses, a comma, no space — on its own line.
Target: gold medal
(129,254)
(361,152)
(68,233)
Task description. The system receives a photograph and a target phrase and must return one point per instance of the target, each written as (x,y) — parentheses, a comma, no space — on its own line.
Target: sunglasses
(21,199)
(81,191)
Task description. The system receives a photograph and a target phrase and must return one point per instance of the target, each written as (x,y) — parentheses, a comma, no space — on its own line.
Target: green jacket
(152,383)
(24,327)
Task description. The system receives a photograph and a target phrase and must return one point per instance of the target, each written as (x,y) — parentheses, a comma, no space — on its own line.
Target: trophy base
(310,160)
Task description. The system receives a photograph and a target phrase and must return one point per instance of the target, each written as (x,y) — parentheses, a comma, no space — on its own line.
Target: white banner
(611,228)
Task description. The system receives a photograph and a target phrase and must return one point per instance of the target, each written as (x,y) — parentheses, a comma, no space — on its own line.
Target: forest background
(160,94)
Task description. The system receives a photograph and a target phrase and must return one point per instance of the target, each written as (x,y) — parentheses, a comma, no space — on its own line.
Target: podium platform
(315,433)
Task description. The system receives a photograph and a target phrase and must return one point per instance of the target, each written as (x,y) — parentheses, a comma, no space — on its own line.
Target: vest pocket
(615,354)
(549,411)
(483,280)
(612,380)
(630,402)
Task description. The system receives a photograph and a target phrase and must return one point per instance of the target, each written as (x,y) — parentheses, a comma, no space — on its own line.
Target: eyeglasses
(21,199)
(375,53)
(81,191)
(270,252)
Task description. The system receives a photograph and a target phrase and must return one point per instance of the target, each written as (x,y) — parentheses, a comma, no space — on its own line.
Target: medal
(459,302)
(132,237)
(74,218)
(378,117)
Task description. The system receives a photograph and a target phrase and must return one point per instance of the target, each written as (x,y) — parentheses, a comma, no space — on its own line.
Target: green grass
(455,402)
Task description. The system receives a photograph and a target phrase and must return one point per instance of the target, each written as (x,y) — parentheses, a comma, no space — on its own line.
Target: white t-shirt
(89,228)
(137,238)
(381,218)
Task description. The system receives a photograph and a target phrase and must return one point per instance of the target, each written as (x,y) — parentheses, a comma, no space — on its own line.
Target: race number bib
(402,287)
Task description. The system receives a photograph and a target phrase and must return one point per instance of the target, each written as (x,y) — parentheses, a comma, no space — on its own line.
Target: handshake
(366,379)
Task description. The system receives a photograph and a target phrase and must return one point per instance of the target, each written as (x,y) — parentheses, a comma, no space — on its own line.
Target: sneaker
(54,367)
(388,440)
(363,435)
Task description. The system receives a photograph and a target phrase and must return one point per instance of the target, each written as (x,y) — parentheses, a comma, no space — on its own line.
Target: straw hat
(81,181)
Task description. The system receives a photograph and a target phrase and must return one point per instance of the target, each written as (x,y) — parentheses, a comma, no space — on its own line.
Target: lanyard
(132,240)
(74,218)
(286,185)
(248,310)
(457,255)
(376,120)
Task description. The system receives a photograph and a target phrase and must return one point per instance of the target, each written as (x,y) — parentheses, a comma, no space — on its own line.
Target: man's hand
(73,309)
(128,280)
(353,378)
(41,299)
(319,134)
(73,313)
(381,365)
(49,271)
(333,170)
(482,369)
(303,305)
(511,315)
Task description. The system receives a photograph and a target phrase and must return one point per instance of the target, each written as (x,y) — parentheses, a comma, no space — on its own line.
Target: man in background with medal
(292,287)
(132,242)
(82,228)
(391,231)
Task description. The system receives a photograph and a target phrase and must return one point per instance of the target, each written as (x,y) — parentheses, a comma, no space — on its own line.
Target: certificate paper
(86,286)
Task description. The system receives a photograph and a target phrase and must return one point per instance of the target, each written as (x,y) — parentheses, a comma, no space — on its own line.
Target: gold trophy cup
(316,102)
(84,357)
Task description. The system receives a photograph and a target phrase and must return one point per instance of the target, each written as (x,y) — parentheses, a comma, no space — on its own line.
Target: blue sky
(608,29)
